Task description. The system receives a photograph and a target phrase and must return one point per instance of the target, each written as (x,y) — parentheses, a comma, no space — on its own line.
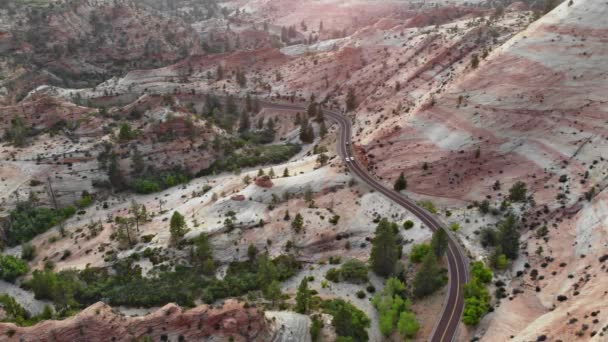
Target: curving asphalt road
(446,328)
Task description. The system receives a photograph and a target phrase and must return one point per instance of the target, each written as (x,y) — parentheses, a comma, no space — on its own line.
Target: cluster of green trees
(225,114)
(503,242)
(156,182)
(349,322)
(17,314)
(29,219)
(394,310)
(252,156)
(476,296)
(430,276)
(11,268)
(351,271)
(307,133)
(124,284)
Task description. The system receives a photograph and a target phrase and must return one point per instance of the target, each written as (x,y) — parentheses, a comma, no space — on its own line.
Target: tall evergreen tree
(429,278)
(137,163)
(351,100)
(312,109)
(509,236)
(114,174)
(178,227)
(439,243)
(400,183)
(385,250)
(322,129)
(303,297)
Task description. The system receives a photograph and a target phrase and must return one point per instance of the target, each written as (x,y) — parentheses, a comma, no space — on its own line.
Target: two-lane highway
(446,327)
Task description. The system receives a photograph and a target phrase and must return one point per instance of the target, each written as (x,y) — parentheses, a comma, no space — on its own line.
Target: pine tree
(139,212)
(303,297)
(401,183)
(312,109)
(273,292)
(137,163)
(322,129)
(385,250)
(271,173)
(319,117)
(351,100)
(114,174)
(509,236)
(178,227)
(298,223)
(429,278)
(286,172)
(439,243)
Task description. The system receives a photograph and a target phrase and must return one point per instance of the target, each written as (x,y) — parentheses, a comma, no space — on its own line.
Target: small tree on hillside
(509,236)
(303,297)
(351,100)
(178,226)
(518,192)
(400,183)
(298,223)
(138,165)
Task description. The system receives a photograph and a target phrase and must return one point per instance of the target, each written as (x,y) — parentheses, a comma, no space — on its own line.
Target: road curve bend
(446,328)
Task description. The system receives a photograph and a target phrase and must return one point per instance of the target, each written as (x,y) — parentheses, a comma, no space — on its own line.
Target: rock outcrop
(99,322)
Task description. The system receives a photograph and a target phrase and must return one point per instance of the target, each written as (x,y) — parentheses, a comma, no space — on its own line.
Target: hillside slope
(535,111)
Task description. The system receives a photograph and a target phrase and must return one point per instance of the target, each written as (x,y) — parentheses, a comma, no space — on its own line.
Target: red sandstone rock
(100,323)
(264,182)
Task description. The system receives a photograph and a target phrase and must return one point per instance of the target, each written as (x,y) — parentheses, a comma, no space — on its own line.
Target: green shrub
(11,268)
(419,251)
(348,320)
(28,251)
(354,271)
(252,156)
(409,224)
(315,328)
(394,310)
(429,206)
(333,275)
(151,182)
